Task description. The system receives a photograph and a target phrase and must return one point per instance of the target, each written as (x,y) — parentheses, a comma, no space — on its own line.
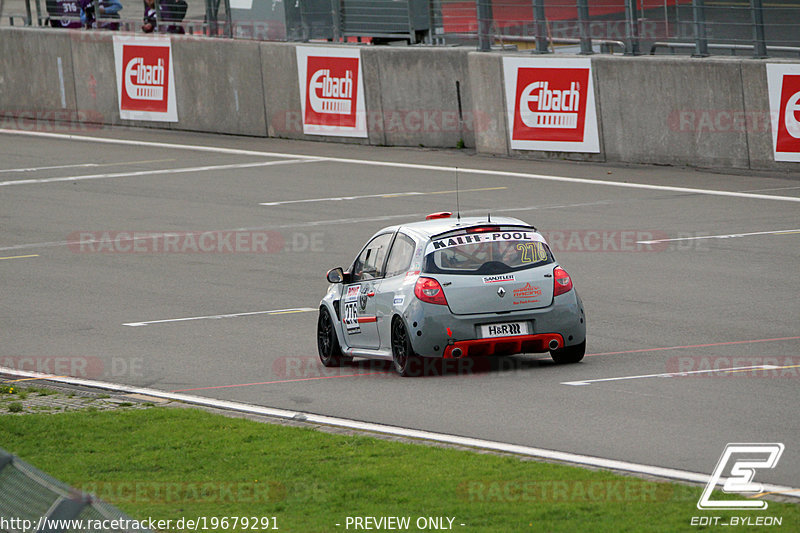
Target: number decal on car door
(351,310)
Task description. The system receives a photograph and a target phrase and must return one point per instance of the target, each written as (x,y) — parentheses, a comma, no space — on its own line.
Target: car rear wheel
(406,362)
(330,353)
(570,354)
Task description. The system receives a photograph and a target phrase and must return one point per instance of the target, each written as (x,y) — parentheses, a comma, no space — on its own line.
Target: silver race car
(451,288)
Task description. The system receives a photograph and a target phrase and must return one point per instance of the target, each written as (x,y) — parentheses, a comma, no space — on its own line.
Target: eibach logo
(332,86)
(145,78)
(789,115)
(551,104)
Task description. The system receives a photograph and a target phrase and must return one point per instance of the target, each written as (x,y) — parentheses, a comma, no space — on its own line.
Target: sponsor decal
(551,105)
(399,300)
(478,238)
(145,80)
(527,291)
(352,293)
(783,83)
(498,278)
(331,91)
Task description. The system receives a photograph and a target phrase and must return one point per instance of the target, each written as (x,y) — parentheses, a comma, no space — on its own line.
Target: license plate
(507,329)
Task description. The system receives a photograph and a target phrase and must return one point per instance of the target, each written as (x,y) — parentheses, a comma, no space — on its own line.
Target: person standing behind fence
(64,13)
(107,9)
(171,11)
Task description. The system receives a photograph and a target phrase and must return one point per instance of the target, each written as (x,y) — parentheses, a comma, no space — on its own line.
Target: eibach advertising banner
(145,80)
(550,104)
(331,91)
(783,83)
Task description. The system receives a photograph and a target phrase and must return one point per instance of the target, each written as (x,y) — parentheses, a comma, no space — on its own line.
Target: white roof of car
(442,225)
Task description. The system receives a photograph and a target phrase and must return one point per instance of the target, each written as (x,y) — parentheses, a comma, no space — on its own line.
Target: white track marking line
(524,175)
(229,315)
(151,172)
(526,451)
(84,165)
(727,236)
(384,195)
(673,374)
(341,221)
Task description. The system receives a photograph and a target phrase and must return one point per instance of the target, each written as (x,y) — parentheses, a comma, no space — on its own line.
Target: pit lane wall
(710,112)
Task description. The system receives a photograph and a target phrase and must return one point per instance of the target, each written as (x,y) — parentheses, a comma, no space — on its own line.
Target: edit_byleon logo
(741,461)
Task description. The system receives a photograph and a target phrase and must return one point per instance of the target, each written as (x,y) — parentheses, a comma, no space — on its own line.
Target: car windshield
(488,256)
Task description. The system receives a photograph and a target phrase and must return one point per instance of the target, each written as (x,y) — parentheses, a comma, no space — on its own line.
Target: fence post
(541,26)
(336,20)
(484,11)
(700,39)
(65,509)
(631,28)
(583,23)
(759,41)
(5,457)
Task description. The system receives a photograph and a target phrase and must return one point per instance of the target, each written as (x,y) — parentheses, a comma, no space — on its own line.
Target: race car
(450,287)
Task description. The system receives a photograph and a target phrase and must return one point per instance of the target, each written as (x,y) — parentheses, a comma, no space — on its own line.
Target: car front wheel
(330,353)
(406,362)
(570,354)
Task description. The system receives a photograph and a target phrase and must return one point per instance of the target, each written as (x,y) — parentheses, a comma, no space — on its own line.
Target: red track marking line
(696,346)
(283,381)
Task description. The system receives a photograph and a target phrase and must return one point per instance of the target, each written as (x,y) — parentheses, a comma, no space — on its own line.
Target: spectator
(108,9)
(64,13)
(171,11)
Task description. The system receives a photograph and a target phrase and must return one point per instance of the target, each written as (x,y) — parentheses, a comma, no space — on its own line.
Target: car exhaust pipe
(456,352)
(553,344)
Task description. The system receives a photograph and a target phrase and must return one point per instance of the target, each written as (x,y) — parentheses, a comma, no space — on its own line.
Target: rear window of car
(486,253)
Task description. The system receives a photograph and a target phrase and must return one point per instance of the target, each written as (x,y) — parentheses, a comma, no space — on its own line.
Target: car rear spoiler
(465,229)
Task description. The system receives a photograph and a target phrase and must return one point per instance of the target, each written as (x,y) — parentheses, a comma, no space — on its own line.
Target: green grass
(170,463)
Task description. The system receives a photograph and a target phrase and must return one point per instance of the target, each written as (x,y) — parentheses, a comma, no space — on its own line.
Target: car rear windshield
(496,253)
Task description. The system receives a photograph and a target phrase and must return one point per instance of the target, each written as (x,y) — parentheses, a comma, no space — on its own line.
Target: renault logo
(501,292)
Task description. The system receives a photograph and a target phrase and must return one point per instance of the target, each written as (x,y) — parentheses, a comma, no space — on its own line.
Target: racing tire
(405,361)
(330,353)
(570,354)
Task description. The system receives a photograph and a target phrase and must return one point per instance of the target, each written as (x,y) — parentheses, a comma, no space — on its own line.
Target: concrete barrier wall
(419,96)
(36,71)
(219,86)
(711,112)
(655,110)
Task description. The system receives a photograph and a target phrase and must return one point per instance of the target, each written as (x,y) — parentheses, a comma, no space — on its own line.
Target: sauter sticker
(331,91)
(550,104)
(145,81)
(783,82)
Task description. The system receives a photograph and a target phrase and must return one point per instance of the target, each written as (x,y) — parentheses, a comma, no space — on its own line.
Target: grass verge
(166,463)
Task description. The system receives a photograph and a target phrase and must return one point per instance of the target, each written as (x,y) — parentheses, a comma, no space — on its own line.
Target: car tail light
(562,282)
(428,290)
(483,229)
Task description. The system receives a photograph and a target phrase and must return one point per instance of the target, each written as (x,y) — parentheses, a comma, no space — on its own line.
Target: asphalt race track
(719,289)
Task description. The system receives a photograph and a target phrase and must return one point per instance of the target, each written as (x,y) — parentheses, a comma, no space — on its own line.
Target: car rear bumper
(503,345)
(436,332)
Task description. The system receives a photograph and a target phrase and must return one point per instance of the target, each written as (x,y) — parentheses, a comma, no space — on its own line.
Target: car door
(394,288)
(359,315)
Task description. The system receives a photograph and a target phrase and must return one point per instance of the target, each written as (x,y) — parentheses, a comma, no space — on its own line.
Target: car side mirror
(335,275)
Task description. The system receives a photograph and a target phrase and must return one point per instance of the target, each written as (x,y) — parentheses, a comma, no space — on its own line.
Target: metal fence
(32,501)
(632,27)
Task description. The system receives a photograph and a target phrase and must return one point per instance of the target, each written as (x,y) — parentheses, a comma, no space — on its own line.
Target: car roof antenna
(458,207)
(488,217)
